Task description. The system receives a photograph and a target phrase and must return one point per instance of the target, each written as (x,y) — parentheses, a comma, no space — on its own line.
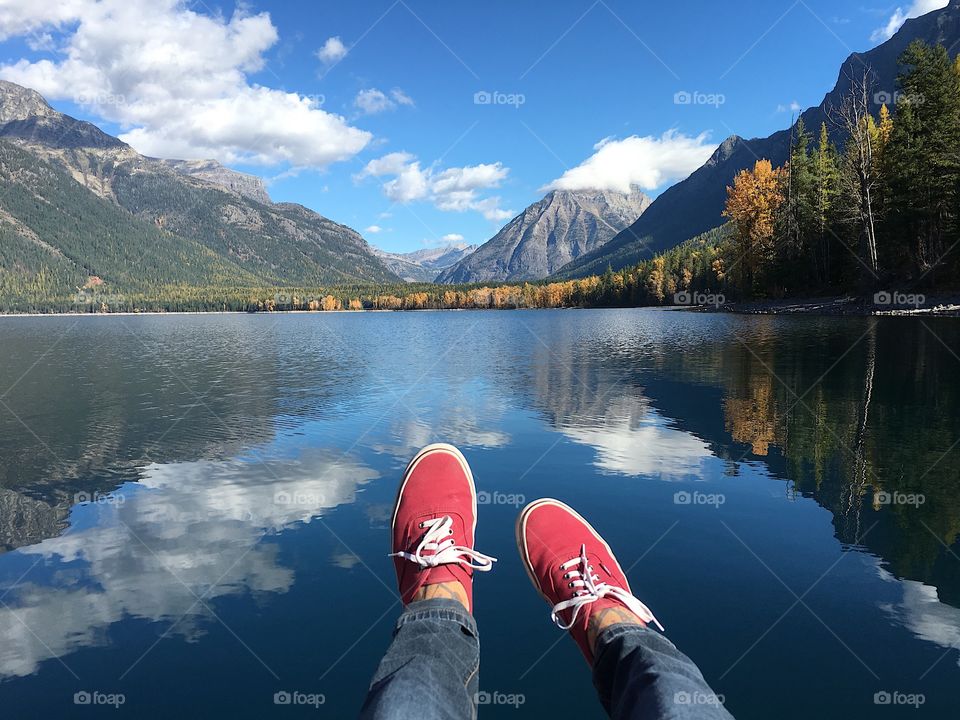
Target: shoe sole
(521,538)
(428,450)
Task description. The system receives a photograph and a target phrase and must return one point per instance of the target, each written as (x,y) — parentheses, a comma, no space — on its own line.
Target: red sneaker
(573,568)
(434,522)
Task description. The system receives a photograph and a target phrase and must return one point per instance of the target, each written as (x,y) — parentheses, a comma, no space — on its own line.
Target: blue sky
(419,122)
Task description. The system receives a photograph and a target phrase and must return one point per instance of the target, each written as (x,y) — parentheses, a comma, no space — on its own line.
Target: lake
(194,510)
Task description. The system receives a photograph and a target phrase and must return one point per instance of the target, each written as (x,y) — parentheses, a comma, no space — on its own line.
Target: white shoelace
(590,590)
(445,551)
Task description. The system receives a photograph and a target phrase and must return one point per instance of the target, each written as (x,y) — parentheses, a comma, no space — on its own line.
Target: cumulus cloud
(374,229)
(333,51)
(176,80)
(452,238)
(373,101)
(456,189)
(645,162)
(901,15)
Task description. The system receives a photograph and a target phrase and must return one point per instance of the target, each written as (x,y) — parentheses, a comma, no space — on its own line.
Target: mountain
(424,265)
(79,204)
(549,234)
(249,186)
(694,206)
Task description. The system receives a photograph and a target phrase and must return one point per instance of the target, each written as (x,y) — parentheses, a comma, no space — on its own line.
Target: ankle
(606,617)
(445,591)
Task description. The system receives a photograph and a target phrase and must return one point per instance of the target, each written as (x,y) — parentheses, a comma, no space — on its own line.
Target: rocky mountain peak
(248,186)
(551,232)
(20,103)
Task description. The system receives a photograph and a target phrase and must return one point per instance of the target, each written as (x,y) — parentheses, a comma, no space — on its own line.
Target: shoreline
(836,306)
(841,306)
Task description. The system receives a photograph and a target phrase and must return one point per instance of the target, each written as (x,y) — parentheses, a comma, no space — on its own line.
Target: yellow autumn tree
(656,277)
(752,205)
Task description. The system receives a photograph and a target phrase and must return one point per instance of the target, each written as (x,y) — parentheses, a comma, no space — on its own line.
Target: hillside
(694,206)
(81,204)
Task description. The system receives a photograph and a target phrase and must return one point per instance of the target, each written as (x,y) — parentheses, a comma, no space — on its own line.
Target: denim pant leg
(431,670)
(640,675)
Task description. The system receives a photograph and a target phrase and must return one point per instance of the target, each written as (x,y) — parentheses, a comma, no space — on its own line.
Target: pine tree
(925,154)
(826,175)
(796,225)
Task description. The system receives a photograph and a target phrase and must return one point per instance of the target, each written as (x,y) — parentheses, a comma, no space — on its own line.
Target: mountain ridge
(694,205)
(560,227)
(425,264)
(221,224)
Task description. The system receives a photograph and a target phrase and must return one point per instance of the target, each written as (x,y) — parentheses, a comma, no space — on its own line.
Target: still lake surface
(194,509)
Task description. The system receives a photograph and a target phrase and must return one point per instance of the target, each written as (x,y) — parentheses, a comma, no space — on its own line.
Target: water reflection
(848,413)
(163,549)
(922,613)
(633,440)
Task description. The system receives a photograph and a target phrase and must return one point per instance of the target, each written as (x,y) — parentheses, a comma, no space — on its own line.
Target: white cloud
(647,162)
(452,238)
(900,16)
(373,101)
(454,189)
(793,107)
(176,80)
(374,229)
(401,98)
(333,51)
(25,18)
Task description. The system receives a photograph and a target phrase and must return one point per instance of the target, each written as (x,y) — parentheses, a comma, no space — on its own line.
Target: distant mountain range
(548,235)
(79,204)
(694,206)
(424,265)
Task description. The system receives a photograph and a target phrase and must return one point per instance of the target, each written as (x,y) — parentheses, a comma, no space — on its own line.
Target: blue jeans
(431,672)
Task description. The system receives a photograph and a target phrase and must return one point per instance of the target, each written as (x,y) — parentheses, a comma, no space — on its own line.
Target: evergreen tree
(826,178)
(925,154)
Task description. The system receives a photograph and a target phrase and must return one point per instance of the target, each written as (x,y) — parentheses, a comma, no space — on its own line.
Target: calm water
(786,492)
